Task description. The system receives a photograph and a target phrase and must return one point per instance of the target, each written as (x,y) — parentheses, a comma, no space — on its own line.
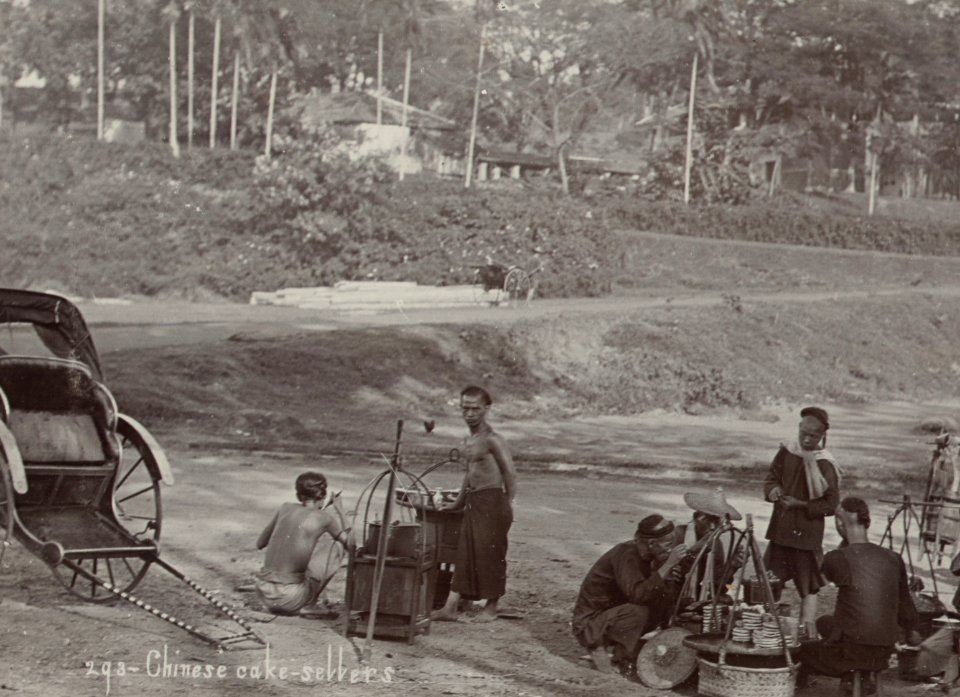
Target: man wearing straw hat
(628,592)
(803,484)
(873,603)
(710,510)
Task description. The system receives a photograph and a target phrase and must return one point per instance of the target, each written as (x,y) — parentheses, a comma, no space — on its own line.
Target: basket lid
(664,661)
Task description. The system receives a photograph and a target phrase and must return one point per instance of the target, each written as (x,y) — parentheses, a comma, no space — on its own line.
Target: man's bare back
(292,534)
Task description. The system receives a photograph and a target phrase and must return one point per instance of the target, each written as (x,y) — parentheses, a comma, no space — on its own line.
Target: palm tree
(172,14)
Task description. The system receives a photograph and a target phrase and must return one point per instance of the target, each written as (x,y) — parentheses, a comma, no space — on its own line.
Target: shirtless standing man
(489,486)
(286,584)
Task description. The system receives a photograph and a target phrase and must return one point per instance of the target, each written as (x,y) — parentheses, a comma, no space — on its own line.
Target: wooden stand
(441,530)
(403,609)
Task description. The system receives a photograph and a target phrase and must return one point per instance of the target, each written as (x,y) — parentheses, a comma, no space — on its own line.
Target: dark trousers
(837,658)
(620,627)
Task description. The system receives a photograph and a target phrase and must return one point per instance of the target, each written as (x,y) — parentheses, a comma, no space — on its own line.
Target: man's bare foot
(444,616)
(601,661)
(485,616)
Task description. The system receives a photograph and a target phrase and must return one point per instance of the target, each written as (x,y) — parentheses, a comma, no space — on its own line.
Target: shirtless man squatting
(290,580)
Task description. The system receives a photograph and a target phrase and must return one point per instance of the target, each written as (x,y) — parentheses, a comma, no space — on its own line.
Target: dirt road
(568,512)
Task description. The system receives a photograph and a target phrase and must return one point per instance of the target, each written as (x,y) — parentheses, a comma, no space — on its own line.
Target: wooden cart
(79,481)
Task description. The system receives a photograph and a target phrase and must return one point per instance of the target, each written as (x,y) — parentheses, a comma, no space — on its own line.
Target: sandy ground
(567,514)
(54,646)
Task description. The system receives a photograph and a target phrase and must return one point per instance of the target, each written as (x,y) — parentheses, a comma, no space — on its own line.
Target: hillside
(97,219)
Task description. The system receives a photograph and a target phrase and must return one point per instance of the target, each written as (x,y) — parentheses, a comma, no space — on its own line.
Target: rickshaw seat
(58,413)
(48,437)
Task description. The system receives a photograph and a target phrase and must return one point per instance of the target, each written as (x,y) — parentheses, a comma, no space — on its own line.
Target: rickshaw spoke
(110,573)
(93,584)
(135,494)
(73,579)
(129,568)
(129,472)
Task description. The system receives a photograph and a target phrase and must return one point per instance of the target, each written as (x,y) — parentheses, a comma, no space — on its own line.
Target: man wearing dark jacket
(873,604)
(628,592)
(803,484)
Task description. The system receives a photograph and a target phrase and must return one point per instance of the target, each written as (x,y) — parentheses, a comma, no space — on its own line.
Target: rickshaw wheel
(517,284)
(6,505)
(136,493)
(136,504)
(122,573)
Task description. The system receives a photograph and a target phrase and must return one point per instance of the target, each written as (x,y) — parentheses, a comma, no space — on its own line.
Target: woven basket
(733,681)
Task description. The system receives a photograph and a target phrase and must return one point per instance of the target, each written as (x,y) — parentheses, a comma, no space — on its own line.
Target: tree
(549,75)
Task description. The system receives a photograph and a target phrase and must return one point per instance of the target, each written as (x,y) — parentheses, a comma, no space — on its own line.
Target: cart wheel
(136,504)
(6,506)
(517,285)
(136,494)
(123,573)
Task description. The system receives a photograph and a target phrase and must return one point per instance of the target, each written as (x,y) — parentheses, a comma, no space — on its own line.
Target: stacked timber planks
(375,296)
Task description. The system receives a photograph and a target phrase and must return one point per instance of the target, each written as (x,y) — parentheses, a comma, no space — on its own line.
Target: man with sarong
(629,591)
(292,576)
(874,607)
(803,484)
(486,496)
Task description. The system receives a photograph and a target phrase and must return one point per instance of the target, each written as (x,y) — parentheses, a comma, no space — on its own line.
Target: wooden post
(234,100)
(873,135)
(380,77)
(476,110)
(214,77)
(872,200)
(403,117)
(191,26)
(775,176)
(174,142)
(101,11)
(273,99)
(688,163)
(381,559)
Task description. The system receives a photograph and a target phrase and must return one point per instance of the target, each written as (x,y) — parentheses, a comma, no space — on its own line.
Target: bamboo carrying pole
(688,164)
(476,110)
(381,559)
(101,11)
(213,82)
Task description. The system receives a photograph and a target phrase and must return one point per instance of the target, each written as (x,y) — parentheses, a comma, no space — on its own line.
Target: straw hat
(664,662)
(712,503)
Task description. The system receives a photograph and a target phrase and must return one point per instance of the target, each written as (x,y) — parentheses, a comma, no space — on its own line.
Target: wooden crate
(406,596)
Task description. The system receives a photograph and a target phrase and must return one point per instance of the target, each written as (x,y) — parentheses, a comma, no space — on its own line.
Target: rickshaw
(79,481)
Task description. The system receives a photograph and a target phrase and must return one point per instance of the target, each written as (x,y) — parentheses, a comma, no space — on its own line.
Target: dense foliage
(99,219)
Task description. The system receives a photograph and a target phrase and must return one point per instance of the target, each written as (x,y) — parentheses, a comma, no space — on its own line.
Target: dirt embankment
(738,357)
